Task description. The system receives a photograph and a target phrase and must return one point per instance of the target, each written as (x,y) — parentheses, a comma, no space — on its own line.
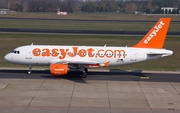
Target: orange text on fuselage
(75,51)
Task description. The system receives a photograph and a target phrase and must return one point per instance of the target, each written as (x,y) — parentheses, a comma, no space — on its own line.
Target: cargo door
(133,55)
(28,53)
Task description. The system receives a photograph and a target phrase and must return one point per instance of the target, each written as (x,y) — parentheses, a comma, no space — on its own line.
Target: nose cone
(8,58)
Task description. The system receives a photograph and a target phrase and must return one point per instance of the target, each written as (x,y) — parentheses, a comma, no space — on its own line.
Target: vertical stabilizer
(156,36)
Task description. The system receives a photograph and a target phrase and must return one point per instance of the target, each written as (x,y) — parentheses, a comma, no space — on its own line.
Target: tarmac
(26,94)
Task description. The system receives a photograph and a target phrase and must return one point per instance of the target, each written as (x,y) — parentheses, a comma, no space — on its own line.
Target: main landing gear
(29,72)
(84,73)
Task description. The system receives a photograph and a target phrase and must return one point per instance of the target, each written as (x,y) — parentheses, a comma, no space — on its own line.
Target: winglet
(107,63)
(156,36)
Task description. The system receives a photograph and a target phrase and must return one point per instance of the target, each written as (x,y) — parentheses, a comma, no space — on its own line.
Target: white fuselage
(46,55)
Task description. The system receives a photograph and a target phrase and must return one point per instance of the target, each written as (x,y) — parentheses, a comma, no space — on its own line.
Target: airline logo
(75,51)
(154,32)
(59,69)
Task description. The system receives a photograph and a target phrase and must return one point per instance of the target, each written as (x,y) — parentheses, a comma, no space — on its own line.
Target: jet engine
(58,69)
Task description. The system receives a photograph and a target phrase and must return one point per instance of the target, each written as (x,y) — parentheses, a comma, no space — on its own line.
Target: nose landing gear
(30,71)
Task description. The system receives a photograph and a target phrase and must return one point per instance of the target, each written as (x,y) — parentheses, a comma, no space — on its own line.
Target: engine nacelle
(59,69)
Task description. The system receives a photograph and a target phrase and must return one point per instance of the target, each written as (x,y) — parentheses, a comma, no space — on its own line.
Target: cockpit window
(15,52)
(12,51)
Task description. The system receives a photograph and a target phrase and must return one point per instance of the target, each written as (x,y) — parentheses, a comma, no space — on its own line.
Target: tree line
(149,6)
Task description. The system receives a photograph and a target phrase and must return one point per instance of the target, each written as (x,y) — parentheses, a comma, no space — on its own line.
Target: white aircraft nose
(8,58)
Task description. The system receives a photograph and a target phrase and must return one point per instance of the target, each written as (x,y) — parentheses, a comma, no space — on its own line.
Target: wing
(80,62)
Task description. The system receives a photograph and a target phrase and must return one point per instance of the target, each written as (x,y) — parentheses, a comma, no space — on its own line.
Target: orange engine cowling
(59,69)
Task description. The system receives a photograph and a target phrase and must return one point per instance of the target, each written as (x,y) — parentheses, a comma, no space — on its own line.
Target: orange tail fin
(156,36)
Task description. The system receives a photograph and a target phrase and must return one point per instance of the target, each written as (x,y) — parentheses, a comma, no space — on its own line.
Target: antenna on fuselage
(32,44)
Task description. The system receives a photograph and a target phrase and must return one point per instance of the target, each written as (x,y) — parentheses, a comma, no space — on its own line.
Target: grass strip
(82,25)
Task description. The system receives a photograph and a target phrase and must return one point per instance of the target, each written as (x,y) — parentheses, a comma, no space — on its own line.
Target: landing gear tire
(83,75)
(29,72)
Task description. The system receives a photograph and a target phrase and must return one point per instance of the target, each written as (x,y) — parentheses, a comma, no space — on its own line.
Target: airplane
(63,59)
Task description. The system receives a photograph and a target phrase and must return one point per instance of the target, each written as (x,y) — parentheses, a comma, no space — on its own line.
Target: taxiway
(104,91)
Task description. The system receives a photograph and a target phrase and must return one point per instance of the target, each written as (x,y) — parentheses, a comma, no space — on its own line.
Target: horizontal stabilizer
(164,53)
